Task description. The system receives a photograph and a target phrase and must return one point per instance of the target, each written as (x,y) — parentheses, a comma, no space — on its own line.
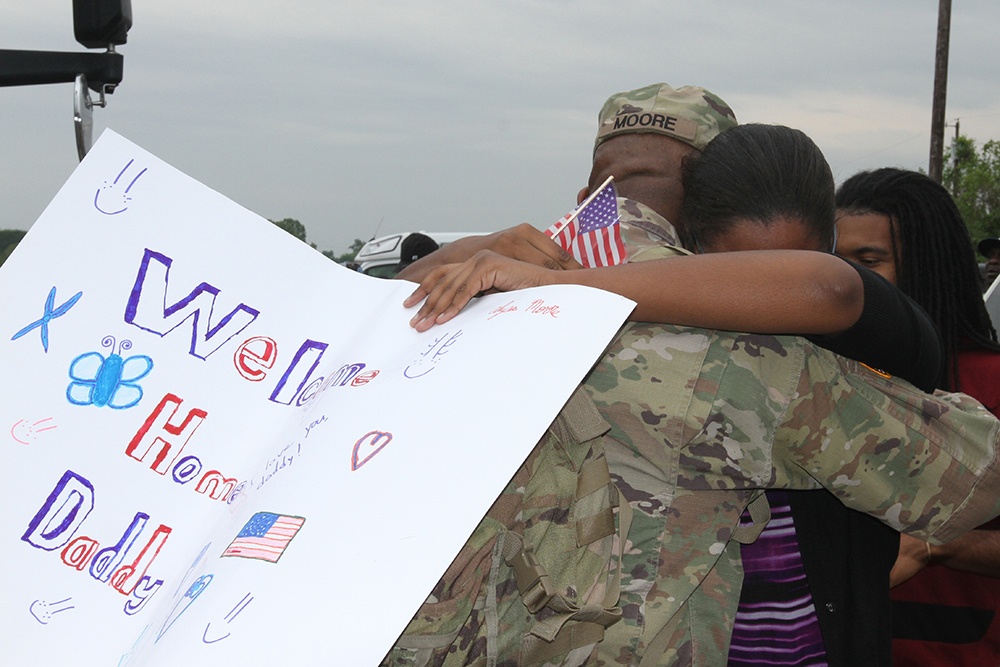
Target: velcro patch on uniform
(626,120)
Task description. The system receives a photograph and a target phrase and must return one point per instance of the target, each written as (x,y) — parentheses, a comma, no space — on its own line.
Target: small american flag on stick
(591,232)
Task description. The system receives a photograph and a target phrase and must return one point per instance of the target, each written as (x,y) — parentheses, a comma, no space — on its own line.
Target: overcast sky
(471,116)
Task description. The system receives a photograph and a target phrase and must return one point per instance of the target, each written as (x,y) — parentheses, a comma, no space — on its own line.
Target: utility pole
(934,167)
(954,158)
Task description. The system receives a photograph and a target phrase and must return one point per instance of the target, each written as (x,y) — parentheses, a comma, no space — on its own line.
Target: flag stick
(565,221)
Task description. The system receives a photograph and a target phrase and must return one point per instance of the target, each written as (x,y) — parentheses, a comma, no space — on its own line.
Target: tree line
(973,178)
(298,230)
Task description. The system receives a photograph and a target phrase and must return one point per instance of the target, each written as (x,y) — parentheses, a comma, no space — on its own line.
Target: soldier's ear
(582,194)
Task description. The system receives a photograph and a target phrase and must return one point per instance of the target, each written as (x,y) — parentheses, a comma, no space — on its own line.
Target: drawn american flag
(591,232)
(265,536)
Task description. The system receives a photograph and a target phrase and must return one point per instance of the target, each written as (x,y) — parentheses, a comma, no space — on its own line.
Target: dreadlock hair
(933,254)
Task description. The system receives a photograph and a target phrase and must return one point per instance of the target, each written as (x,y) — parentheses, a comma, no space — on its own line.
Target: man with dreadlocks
(906,227)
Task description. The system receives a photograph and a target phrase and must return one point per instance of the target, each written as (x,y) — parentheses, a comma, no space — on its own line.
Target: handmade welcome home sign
(221,447)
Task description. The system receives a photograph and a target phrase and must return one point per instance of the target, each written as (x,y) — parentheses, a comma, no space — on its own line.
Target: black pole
(27,68)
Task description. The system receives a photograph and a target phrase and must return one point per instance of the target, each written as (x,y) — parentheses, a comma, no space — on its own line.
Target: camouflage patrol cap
(690,114)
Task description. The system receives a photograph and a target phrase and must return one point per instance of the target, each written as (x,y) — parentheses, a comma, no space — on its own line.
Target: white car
(381,257)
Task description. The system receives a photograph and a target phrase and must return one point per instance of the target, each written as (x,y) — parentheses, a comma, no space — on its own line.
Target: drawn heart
(376,437)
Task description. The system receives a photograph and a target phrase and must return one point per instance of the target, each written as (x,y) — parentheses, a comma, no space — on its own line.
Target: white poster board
(992,297)
(225,448)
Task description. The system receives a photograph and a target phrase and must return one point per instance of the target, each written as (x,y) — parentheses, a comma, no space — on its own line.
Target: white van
(380,257)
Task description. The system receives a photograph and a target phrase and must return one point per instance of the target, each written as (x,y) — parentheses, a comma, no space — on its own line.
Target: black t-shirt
(893,334)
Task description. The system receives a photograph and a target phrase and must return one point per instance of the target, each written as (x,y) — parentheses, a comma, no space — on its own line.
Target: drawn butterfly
(111,381)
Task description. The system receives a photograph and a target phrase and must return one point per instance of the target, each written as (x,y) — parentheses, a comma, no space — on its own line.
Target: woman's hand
(449,288)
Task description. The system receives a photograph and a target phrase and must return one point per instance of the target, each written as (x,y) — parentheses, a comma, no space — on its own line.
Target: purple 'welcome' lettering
(147,308)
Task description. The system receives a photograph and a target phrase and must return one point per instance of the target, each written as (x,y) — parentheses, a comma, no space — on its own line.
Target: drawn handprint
(25,432)
(230,617)
(44,611)
(113,198)
(431,356)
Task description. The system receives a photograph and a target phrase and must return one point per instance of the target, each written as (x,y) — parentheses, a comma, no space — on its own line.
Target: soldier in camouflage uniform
(699,420)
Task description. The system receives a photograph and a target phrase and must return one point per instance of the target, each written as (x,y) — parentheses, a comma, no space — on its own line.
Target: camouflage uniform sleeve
(781,412)
(922,464)
(702,419)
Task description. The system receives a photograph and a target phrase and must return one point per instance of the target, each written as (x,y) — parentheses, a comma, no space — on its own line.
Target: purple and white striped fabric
(776,623)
